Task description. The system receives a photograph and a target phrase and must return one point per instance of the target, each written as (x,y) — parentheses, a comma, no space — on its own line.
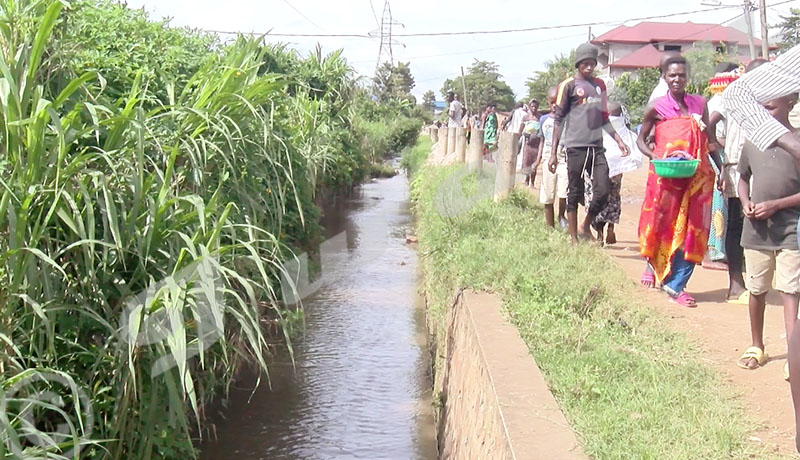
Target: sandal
(648,279)
(752,353)
(786,371)
(743,299)
(685,300)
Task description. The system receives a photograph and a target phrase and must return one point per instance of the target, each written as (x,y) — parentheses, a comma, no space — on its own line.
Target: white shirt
(661,89)
(517,118)
(456,111)
(745,96)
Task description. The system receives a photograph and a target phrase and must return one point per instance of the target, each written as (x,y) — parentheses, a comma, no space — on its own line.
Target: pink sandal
(648,279)
(685,300)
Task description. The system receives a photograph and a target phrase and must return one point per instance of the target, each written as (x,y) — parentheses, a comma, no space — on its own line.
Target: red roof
(651,32)
(646,56)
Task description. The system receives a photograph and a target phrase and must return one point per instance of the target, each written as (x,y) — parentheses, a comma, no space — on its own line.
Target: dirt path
(721,329)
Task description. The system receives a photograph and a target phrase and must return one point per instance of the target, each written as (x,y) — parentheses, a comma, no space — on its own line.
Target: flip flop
(786,371)
(743,299)
(685,300)
(753,353)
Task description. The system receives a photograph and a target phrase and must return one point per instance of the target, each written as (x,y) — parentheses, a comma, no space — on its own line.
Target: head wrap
(721,80)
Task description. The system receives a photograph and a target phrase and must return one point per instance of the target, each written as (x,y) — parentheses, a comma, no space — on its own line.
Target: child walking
(554,184)
(771,206)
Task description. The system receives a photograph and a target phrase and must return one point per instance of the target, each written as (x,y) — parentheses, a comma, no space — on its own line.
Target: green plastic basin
(675,169)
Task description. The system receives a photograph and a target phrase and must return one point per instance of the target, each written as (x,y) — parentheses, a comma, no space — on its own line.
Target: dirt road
(721,329)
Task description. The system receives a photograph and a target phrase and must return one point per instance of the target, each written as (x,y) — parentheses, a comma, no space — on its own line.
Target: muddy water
(361,387)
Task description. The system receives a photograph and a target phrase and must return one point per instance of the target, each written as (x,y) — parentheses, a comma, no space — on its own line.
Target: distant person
(582,101)
(676,210)
(489,123)
(455,112)
(514,122)
(769,189)
(530,142)
(554,183)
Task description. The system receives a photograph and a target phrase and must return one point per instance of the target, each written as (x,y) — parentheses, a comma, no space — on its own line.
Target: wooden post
(443,142)
(461,145)
(506,164)
(451,141)
(434,134)
(475,155)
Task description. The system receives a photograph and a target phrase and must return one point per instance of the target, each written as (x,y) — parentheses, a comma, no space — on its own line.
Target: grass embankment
(630,387)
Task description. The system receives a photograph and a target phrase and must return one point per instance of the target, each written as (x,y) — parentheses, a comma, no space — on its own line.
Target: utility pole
(748,18)
(590,34)
(385,52)
(764,30)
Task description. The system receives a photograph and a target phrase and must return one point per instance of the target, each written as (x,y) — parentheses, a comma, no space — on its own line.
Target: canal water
(360,384)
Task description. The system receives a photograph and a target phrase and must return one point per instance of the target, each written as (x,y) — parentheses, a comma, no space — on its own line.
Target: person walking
(489,123)
(769,188)
(530,142)
(455,112)
(673,225)
(582,102)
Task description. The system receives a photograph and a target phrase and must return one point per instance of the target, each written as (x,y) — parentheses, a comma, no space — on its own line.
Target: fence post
(443,142)
(461,145)
(506,164)
(475,155)
(451,141)
(434,132)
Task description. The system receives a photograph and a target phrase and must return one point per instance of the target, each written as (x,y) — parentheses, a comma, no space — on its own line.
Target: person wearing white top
(455,112)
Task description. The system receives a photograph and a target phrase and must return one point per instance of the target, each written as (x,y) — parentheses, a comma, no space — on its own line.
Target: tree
(484,86)
(557,70)
(633,91)
(394,82)
(702,59)
(790,29)
(429,100)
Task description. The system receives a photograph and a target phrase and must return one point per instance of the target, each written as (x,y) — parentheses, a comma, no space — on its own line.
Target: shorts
(553,185)
(762,266)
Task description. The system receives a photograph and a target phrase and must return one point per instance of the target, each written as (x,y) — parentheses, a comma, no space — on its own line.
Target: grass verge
(631,388)
(414,157)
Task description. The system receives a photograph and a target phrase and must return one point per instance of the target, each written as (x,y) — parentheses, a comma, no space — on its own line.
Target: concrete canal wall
(495,402)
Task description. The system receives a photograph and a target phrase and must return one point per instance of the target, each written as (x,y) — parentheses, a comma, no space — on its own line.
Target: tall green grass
(143,230)
(630,387)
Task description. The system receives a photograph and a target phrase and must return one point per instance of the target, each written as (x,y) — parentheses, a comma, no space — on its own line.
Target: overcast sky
(433,59)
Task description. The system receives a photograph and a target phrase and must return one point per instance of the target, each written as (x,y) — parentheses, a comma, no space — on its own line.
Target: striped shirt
(744,97)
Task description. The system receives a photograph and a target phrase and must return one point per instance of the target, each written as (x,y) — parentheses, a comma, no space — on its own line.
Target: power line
(487,32)
(304,16)
(374,14)
(586,24)
(459,53)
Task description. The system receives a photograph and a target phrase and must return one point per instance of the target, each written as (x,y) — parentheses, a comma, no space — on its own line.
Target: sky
(434,59)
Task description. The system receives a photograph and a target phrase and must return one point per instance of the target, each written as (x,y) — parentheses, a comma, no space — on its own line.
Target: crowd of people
(740,203)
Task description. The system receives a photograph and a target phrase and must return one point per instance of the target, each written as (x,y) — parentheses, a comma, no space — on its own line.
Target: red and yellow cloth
(676,212)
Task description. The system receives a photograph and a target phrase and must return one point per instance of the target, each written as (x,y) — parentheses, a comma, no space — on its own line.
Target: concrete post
(434,131)
(475,154)
(451,141)
(506,164)
(461,145)
(443,142)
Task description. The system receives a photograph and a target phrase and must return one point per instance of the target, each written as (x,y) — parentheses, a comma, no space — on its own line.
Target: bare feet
(611,237)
